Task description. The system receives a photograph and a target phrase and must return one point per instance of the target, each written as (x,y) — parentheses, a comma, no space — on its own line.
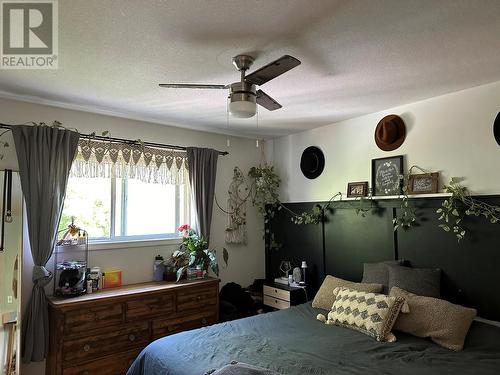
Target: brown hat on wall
(390,133)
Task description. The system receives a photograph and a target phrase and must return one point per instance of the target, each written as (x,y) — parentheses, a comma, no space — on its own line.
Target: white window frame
(155,239)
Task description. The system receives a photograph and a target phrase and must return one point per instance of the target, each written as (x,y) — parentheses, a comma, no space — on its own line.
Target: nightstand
(283,296)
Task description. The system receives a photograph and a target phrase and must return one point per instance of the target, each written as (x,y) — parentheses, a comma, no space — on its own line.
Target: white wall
(245,262)
(451,134)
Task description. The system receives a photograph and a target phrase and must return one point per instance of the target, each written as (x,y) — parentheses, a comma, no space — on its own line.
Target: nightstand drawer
(276,293)
(276,302)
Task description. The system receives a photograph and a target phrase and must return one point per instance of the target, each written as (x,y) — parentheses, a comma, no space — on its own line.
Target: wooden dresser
(102,333)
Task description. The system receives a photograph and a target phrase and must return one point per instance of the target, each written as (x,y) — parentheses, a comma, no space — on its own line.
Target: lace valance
(97,158)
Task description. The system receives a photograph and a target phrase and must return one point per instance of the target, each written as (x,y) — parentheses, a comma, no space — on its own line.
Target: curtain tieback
(41,276)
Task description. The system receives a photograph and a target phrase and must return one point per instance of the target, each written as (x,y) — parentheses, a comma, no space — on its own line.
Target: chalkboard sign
(423,183)
(387,175)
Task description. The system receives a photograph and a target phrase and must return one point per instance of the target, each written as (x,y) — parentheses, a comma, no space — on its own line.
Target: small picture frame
(425,183)
(387,176)
(357,189)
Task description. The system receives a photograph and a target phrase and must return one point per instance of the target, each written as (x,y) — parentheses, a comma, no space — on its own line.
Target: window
(116,209)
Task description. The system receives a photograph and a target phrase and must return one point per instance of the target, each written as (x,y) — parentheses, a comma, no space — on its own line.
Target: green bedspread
(293,342)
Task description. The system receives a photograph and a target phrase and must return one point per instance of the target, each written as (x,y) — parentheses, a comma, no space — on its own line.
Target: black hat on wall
(496,129)
(312,162)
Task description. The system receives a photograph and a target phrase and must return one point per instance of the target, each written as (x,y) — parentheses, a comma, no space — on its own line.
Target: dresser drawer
(165,327)
(276,293)
(276,302)
(150,306)
(89,318)
(117,364)
(196,298)
(123,338)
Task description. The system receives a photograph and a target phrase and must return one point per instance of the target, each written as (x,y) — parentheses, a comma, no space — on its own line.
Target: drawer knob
(275,290)
(131,337)
(204,321)
(198,298)
(275,301)
(86,347)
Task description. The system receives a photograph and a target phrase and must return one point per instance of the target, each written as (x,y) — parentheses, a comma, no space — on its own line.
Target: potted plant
(194,253)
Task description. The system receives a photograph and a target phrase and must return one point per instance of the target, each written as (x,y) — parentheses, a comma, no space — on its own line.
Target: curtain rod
(123,140)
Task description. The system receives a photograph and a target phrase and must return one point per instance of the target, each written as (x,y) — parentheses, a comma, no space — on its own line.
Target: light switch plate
(9,299)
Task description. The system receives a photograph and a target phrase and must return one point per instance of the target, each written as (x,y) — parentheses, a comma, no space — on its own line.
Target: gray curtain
(45,155)
(202,164)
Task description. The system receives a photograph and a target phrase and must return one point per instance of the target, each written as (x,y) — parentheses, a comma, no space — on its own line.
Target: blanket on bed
(293,342)
(236,368)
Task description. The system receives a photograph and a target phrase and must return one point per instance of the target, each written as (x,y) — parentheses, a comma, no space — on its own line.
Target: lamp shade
(242,109)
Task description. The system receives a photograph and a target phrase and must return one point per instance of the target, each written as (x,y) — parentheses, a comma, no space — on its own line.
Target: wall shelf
(384,197)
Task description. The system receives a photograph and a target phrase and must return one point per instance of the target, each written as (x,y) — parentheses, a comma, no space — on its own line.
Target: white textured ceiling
(358,56)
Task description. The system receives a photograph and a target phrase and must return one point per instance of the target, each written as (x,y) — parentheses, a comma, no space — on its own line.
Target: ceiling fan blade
(272,70)
(192,86)
(266,101)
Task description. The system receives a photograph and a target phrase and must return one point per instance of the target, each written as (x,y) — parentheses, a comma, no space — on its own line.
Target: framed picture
(387,175)
(357,189)
(426,183)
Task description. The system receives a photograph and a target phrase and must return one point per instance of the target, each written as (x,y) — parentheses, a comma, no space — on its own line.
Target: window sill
(134,243)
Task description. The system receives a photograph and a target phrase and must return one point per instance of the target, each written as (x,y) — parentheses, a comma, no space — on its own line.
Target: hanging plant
(408,212)
(407,218)
(265,187)
(265,196)
(461,204)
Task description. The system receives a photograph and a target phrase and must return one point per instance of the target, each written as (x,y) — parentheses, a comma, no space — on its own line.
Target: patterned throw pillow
(370,313)
(324,298)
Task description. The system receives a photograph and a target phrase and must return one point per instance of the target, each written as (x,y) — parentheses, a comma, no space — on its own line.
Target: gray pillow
(421,281)
(378,273)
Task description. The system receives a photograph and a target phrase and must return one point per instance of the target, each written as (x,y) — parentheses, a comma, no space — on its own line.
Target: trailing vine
(408,212)
(461,204)
(264,194)
(266,198)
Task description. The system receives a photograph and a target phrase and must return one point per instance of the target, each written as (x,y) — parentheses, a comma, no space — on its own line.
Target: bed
(293,342)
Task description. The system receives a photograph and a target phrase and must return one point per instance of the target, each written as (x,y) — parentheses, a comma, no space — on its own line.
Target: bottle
(89,286)
(95,275)
(158,268)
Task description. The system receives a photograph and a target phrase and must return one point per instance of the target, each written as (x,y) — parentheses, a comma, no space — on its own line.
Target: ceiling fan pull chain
(228,141)
(257,122)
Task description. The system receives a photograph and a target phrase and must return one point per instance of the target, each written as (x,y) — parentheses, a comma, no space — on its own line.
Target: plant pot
(170,276)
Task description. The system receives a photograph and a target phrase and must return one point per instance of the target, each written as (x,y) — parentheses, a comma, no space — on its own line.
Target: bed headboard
(345,240)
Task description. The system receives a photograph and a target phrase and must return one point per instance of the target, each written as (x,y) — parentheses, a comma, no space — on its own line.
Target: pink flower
(184,227)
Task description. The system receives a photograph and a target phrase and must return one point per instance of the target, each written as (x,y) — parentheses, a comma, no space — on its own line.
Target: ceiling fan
(243,96)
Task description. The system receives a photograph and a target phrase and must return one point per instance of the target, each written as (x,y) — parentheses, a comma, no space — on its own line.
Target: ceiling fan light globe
(242,109)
